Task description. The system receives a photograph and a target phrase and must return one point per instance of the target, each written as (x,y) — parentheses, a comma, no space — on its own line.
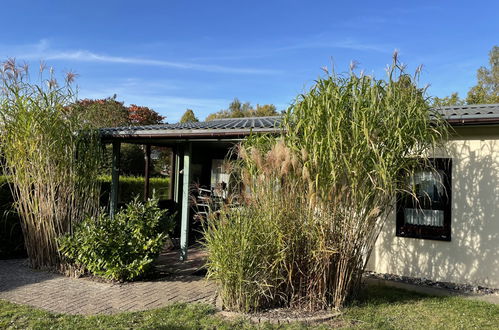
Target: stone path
(60,294)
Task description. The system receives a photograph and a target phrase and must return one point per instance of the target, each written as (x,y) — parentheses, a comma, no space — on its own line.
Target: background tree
(486,90)
(109,112)
(265,110)
(189,117)
(237,109)
(140,115)
(453,99)
(101,113)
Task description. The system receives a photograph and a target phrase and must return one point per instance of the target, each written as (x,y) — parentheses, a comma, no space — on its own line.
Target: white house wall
(472,256)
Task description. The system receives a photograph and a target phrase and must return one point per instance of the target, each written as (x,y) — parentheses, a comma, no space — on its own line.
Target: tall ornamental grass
(50,157)
(314,200)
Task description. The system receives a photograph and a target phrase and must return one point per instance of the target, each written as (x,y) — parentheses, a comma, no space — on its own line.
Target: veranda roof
(479,114)
(230,128)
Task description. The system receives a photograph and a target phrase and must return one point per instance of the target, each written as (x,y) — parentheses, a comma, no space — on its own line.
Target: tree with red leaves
(139,115)
(101,112)
(109,112)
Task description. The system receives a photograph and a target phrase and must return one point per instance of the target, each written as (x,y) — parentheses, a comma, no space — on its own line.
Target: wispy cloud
(313,42)
(87,56)
(42,50)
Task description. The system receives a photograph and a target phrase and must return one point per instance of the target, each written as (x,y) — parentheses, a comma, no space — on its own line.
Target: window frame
(422,231)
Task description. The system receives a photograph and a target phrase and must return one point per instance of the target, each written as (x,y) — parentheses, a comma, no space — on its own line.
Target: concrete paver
(61,294)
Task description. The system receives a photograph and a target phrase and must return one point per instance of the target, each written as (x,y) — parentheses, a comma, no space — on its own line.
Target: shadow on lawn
(381,294)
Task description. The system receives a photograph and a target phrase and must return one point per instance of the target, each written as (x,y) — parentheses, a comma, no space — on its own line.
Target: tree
(140,115)
(109,112)
(101,113)
(453,99)
(487,88)
(237,109)
(485,91)
(265,110)
(189,117)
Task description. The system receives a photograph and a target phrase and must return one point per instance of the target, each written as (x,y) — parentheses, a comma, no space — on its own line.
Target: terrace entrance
(197,154)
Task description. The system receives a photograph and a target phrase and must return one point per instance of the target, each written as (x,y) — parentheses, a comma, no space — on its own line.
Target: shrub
(11,236)
(131,186)
(244,254)
(121,248)
(315,199)
(51,158)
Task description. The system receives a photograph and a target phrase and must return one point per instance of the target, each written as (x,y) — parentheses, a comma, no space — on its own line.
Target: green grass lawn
(380,307)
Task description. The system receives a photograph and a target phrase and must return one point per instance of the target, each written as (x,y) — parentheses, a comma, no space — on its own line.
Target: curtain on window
(429,191)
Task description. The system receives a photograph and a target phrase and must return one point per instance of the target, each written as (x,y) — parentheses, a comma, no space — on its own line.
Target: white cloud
(313,42)
(43,51)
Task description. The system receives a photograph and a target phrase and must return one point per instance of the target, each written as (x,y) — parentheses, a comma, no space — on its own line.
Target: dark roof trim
(181,134)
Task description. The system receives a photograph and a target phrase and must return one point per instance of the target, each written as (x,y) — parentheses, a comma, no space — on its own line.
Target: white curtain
(425,183)
(424,217)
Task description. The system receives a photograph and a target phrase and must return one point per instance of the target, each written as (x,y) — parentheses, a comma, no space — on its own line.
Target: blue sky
(173,55)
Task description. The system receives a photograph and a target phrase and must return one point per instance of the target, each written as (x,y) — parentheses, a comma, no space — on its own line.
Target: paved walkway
(61,294)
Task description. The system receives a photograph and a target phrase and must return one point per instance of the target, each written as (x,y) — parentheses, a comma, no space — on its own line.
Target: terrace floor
(175,282)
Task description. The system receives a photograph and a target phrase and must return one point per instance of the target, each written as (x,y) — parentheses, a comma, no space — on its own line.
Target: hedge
(11,238)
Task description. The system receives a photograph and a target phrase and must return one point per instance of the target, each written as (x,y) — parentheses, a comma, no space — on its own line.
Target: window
(427,212)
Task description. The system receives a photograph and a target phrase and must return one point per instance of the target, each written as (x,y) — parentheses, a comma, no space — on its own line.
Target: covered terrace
(197,152)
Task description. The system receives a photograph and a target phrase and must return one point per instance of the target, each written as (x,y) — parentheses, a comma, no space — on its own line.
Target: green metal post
(178,181)
(115,179)
(147,170)
(184,229)
(173,158)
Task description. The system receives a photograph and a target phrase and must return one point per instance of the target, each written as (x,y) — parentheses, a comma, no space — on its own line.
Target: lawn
(380,307)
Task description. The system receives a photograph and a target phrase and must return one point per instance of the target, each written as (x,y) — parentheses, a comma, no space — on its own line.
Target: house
(453,237)
(456,238)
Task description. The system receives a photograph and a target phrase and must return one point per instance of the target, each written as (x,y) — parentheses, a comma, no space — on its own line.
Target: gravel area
(464,288)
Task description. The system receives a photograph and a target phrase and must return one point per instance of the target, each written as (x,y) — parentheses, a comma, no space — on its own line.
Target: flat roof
(235,128)
(220,128)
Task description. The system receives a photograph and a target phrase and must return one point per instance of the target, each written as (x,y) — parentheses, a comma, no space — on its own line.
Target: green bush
(11,236)
(120,248)
(131,186)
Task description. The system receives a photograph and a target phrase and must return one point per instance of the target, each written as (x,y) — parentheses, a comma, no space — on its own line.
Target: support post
(171,193)
(177,178)
(147,170)
(115,179)
(184,229)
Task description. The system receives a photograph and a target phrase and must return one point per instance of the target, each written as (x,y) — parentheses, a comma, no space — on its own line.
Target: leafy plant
(314,200)
(51,158)
(121,248)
